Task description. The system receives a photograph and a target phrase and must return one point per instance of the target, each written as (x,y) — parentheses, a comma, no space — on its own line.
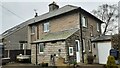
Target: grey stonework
(50,49)
(66,21)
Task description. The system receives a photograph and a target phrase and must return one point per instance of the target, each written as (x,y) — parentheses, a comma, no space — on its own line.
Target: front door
(77,51)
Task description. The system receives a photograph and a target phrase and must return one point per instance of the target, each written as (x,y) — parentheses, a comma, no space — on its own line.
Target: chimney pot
(36,14)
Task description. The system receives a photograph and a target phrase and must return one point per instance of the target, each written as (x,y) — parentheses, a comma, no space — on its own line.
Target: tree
(115,40)
(109,15)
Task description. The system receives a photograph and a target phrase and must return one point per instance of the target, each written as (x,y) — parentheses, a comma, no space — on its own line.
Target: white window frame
(78,45)
(41,45)
(98,29)
(46,27)
(71,53)
(23,46)
(84,45)
(84,21)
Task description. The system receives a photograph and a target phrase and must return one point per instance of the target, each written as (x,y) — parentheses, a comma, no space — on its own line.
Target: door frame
(77,51)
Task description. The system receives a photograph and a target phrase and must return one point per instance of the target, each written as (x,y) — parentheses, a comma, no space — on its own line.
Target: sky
(14,12)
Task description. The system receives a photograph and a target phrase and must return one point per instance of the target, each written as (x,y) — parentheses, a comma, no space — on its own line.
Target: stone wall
(70,42)
(50,49)
(65,22)
(33,53)
(56,24)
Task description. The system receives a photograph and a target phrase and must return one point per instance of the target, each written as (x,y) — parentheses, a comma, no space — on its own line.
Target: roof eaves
(35,42)
(62,35)
(101,40)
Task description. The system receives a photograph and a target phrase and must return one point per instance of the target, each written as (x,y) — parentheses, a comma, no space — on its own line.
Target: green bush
(111,62)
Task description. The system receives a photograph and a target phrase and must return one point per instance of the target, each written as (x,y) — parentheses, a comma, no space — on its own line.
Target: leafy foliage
(111,62)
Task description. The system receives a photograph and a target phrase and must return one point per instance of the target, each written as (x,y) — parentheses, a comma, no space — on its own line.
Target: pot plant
(90,58)
(44,64)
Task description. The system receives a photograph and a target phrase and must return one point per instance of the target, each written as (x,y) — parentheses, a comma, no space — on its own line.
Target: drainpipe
(80,22)
(36,54)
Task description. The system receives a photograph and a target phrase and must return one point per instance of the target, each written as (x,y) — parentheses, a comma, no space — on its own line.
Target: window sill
(32,33)
(84,26)
(83,51)
(98,30)
(41,52)
(90,51)
(46,31)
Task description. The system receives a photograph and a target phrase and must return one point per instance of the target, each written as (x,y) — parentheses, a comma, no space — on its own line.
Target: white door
(77,51)
(103,51)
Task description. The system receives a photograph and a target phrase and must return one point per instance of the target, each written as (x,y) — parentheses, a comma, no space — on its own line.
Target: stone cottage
(62,32)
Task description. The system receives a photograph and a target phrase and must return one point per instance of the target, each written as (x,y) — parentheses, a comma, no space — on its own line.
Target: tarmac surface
(29,65)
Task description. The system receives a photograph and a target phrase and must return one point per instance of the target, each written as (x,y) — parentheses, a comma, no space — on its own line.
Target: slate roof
(102,38)
(60,11)
(45,16)
(61,35)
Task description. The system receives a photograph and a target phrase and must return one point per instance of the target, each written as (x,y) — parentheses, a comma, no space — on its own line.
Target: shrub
(111,62)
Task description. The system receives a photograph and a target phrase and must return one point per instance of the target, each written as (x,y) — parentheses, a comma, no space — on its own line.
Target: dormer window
(84,21)
(46,27)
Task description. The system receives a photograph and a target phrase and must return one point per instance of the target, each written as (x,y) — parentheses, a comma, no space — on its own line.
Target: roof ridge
(72,6)
(58,9)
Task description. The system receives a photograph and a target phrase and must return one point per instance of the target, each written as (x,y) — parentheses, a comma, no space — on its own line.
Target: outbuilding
(101,48)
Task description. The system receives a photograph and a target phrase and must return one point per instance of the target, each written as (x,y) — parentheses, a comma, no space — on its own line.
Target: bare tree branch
(108,14)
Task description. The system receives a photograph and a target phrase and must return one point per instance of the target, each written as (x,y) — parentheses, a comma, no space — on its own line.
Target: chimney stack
(53,6)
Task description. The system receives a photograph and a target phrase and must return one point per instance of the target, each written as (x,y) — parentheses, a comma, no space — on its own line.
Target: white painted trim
(46,27)
(78,52)
(39,49)
(71,48)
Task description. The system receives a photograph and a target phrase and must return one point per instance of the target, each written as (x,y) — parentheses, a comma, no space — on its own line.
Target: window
(46,27)
(84,45)
(70,51)
(77,45)
(98,29)
(89,46)
(84,21)
(94,45)
(91,27)
(41,47)
(33,29)
(22,46)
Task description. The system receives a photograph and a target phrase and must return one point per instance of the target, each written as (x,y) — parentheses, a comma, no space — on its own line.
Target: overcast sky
(15,12)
